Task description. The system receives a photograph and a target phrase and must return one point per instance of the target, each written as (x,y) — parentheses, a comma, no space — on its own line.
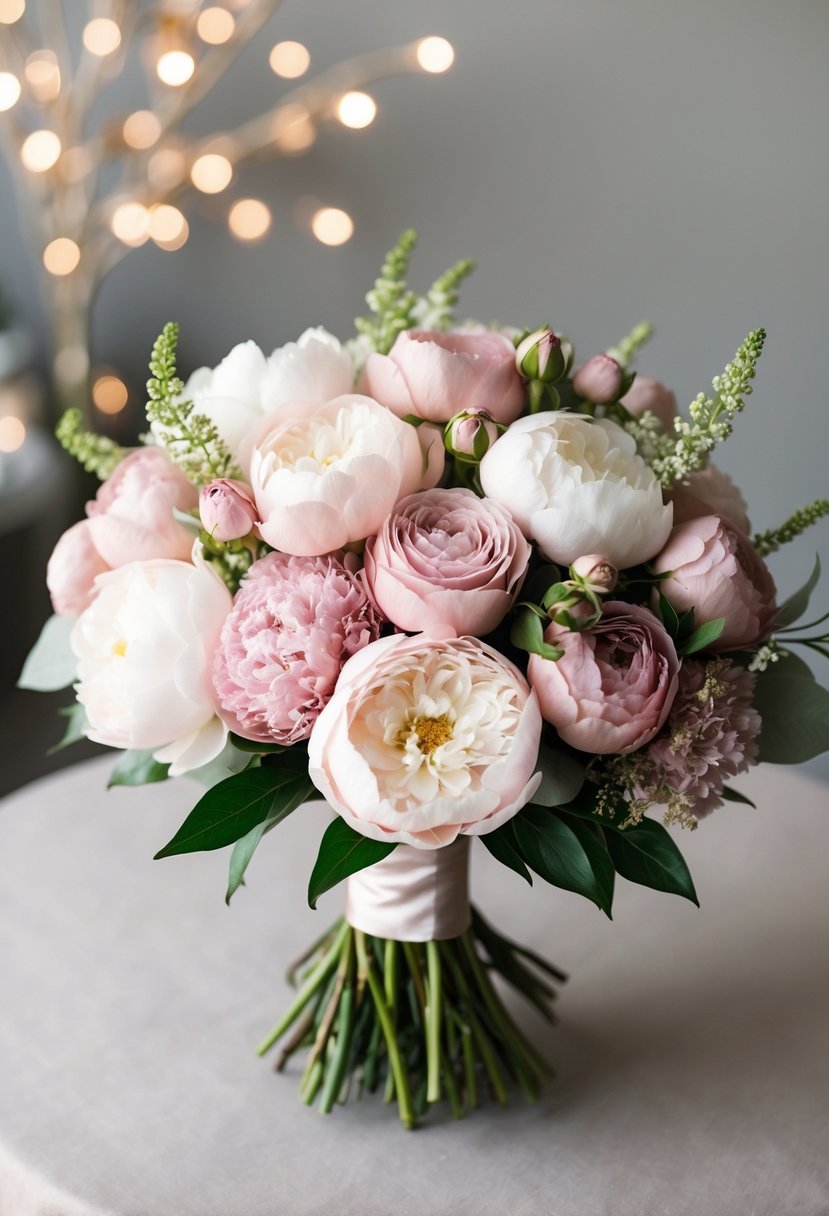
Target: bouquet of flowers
(460,589)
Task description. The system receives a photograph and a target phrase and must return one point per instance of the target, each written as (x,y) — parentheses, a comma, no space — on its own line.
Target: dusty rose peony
(611,690)
(715,569)
(295,621)
(648,393)
(131,517)
(425,739)
(446,561)
(73,567)
(227,509)
(436,375)
(710,492)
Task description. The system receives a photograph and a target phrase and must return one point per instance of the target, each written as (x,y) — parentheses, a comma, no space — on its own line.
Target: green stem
(313,982)
(401,1080)
(336,1070)
(434,1003)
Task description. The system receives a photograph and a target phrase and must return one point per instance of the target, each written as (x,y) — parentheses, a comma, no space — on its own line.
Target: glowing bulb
(40,151)
(168,227)
(293,129)
(11,11)
(12,433)
(43,75)
(249,219)
(289,60)
(211,173)
(175,68)
(61,256)
(109,394)
(435,54)
(102,36)
(166,168)
(141,129)
(215,25)
(9,90)
(332,226)
(131,223)
(356,110)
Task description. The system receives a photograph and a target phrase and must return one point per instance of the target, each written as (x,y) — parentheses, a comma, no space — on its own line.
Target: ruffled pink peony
(710,492)
(648,393)
(446,561)
(73,567)
(131,517)
(436,375)
(714,569)
(295,621)
(611,690)
(426,739)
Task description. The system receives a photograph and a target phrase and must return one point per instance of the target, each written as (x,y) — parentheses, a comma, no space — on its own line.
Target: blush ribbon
(413,895)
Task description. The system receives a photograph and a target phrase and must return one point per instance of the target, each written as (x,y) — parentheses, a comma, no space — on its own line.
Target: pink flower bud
(542,356)
(599,380)
(595,573)
(470,434)
(227,509)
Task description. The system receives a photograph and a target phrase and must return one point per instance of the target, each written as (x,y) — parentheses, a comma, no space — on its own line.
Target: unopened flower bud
(542,356)
(470,434)
(599,380)
(595,573)
(227,509)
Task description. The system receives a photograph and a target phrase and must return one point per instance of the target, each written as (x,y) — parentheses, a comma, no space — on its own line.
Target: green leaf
(527,633)
(732,795)
(794,710)
(76,724)
(794,607)
(258,749)
(235,806)
(704,636)
(504,848)
(562,776)
(539,582)
(51,664)
(137,768)
(343,851)
(243,851)
(557,851)
(646,854)
(669,617)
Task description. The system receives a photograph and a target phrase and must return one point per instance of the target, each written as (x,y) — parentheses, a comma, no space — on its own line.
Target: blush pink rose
(131,518)
(710,492)
(447,561)
(714,569)
(436,375)
(227,509)
(73,567)
(648,393)
(612,689)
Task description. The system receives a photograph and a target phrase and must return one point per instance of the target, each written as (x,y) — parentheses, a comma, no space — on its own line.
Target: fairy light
(211,173)
(215,26)
(289,60)
(249,219)
(43,75)
(175,68)
(102,36)
(356,110)
(141,129)
(168,226)
(435,54)
(40,151)
(166,168)
(130,222)
(331,226)
(12,433)
(11,11)
(61,256)
(9,90)
(293,129)
(109,394)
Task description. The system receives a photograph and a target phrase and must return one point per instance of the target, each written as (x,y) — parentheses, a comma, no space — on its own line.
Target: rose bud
(542,356)
(599,380)
(227,509)
(470,434)
(595,573)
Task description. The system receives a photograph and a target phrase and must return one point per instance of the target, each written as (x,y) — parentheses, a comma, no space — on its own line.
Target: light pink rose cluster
(447,561)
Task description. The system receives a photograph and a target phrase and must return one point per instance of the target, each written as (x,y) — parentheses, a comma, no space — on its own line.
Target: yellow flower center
(120,648)
(431,733)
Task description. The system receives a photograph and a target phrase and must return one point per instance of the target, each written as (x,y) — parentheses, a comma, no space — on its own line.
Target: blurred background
(602,162)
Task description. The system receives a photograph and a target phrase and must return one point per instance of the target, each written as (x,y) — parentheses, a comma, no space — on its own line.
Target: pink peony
(227,509)
(73,567)
(131,517)
(710,492)
(295,621)
(714,569)
(425,739)
(647,393)
(436,375)
(446,561)
(611,690)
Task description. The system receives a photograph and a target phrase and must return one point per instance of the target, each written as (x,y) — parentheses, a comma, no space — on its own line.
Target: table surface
(692,1049)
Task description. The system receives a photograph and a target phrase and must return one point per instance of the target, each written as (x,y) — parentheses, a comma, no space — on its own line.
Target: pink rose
(598,380)
(131,518)
(227,509)
(446,561)
(73,567)
(611,690)
(710,492)
(436,375)
(714,569)
(425,739)
(647,393)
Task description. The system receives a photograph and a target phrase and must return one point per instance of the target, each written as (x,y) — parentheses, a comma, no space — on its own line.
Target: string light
(109,394)
(289,60)
(356,110)
(168,227)
(175,68)
(12,433)
(141,129)
(249,219)
(211,173)
(40,151)
(331,226)
(131,223)
(61,256)
(43,75)
(215,25)
(166,168)
(102,36)
(435,54)
(293,129)
(9,90)
(11,11)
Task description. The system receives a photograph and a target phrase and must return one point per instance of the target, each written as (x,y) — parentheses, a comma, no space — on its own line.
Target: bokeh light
(293,129)
(249,219)
(102,36)
(289,60)
(331,226)
(215,25)
(11,11)
(356,110)
(435,54)
(168,227)
(40,151)
(211,173)
(166,168)
(61,256)
(43,75)
(175,68)
(109,394)
(131,223)
(12,433)
(141,129)
(9,90)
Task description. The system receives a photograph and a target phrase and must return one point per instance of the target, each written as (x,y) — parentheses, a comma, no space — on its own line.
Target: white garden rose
(144,648)
(578,486)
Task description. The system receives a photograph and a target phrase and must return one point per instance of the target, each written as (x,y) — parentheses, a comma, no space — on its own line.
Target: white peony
(144,648)
(314,368)
(578,486)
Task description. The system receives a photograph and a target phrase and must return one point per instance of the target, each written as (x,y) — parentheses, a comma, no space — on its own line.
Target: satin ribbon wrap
(413,895)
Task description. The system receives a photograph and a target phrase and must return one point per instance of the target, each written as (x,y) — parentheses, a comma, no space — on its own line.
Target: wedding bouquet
(460,589)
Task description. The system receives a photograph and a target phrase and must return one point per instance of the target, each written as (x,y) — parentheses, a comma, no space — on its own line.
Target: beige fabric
(436,886)
(693,1048)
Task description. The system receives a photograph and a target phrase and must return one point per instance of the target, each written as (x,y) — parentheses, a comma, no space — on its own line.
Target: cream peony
(314,368)
(578,486)
(425,739)
(144,648)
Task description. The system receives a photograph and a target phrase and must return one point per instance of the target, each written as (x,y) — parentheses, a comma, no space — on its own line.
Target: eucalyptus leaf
(704,636)
(794,607)
(342,852)
(137,768)
(562,776)
(76,723)
(794,712)
(646,854)
(555,851)
(51,664)
(504,848)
